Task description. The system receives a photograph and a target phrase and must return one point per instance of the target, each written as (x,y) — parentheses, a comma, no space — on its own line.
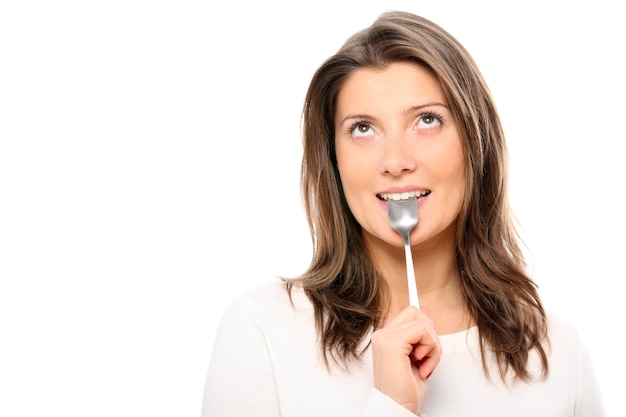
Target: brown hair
(347,292)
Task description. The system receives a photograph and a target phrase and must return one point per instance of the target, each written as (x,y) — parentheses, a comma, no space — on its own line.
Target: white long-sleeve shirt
(266,363)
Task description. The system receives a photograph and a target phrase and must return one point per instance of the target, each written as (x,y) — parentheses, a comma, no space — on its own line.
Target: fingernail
(428,376)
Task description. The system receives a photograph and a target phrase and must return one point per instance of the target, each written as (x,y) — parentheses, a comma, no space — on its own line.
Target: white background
(149,162)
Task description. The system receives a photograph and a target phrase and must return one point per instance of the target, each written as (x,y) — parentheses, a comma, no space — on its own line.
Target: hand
(405,352)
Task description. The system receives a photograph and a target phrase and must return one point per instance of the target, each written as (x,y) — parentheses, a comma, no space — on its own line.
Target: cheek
(456,161)
(349,177)
(452,173)
(350,170)
(458,179)
(354,180)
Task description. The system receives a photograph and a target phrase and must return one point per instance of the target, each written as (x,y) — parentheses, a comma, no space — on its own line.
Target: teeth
(403,196)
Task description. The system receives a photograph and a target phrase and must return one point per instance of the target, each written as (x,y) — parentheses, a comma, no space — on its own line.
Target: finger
(428,343)
(427,365)
(427,353)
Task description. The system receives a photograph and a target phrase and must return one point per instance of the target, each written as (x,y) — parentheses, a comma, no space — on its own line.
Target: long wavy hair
(348,293)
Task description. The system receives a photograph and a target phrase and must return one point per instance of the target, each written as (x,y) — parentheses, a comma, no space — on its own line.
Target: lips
(403,196)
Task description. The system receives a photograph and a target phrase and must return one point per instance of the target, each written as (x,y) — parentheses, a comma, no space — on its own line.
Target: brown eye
(361,129)
(428,119)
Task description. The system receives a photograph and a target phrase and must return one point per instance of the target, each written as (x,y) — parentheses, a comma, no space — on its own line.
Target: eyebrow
(421,106)
(408,111)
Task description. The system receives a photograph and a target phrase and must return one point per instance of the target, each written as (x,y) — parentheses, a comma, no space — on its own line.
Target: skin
(395,133)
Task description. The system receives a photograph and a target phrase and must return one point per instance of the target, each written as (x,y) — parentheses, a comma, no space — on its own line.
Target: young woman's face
(394,133)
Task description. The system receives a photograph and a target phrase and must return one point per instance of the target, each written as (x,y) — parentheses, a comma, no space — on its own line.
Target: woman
(400,110)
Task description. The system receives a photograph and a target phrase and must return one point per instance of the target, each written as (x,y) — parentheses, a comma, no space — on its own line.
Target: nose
(398,156)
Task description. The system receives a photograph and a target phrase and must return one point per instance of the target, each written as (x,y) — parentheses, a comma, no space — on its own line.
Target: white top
(266,363)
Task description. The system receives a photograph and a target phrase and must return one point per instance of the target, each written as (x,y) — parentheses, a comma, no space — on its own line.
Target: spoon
(403,218)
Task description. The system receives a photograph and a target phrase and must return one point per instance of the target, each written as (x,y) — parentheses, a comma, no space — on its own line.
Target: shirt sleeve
(240,380)
(589,401)
(380,405)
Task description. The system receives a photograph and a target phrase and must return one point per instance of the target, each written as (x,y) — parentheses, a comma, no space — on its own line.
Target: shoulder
(566,348)
(268,306)
(561,330)
(272,296)
(271,319)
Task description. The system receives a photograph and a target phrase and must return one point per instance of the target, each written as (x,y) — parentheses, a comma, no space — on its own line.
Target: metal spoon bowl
(403,218)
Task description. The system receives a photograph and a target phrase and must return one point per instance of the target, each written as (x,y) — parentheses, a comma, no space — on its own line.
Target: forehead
(400,82)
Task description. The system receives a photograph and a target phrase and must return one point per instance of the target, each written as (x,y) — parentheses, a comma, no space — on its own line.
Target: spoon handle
(410,273)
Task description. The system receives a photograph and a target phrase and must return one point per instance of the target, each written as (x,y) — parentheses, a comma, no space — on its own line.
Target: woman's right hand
(405,352)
